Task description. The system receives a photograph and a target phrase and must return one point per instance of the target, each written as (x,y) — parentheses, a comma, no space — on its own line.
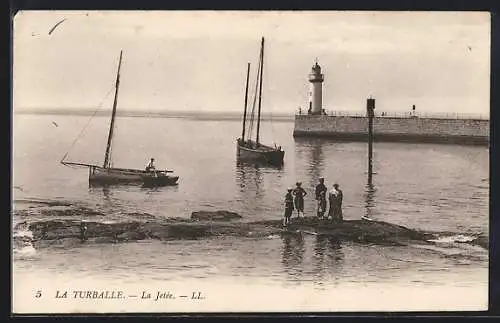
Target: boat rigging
(107,174)
(254,150)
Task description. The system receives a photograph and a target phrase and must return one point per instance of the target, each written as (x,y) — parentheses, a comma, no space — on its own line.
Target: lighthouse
(315,90)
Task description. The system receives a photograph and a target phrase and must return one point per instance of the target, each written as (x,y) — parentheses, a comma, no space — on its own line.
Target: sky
(197,60)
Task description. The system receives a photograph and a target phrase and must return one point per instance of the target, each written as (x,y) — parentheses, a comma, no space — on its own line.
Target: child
(288,207)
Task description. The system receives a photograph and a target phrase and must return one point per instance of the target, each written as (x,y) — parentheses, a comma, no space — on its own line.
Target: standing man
(288,207)
(321,197)
(299,194)
(151,165)
(337,210)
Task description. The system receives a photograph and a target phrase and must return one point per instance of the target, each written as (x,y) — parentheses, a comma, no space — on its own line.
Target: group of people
(294,199)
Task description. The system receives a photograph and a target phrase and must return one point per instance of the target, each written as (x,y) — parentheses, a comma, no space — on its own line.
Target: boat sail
(254,150)
(106,174)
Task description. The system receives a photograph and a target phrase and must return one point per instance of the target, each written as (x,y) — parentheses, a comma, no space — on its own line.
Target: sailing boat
(106,174)
(254,150)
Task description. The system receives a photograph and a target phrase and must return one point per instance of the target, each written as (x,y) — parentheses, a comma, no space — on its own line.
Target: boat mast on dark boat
(112,175)
(107,156)
(246,101)
(247,149)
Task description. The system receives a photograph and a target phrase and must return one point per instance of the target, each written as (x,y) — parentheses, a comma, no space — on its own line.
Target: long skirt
(337,213)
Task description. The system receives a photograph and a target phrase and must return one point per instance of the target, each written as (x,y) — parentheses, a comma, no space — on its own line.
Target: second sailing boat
(106,174)
(254,150)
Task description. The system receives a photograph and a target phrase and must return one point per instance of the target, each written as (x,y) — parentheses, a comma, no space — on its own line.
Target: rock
(132,230)
(102,240)
(482,241)
(131,236)
(80,211)
(215,216)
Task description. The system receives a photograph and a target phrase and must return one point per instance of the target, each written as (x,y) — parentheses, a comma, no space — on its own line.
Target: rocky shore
(210,224)
(57,225)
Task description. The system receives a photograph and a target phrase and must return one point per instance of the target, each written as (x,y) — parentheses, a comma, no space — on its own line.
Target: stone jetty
(57,225)
(211,224)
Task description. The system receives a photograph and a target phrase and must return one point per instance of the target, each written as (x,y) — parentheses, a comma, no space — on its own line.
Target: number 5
(38,294)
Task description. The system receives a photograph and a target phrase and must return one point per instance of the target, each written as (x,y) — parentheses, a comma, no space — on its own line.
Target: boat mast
(260,89)
(107,156)
(246,100)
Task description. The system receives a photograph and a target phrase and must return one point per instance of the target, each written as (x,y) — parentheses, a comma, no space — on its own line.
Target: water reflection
(370,204)
(314,156)
(316,161)
(327,245)
(249,177)
(250,180)
(292,254)
(328,255)
(101,190)
(155,189)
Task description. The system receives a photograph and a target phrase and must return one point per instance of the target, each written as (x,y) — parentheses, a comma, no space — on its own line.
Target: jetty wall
(394,129)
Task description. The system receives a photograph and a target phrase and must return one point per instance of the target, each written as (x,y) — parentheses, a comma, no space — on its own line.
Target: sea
(436,188)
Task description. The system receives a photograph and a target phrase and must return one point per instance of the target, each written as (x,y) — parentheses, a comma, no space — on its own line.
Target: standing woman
(332,199)
(338,204)
(299,194)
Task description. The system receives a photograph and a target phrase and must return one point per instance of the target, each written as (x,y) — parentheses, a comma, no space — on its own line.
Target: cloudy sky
(187,60)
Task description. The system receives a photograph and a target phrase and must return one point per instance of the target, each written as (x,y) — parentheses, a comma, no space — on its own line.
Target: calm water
(429,187)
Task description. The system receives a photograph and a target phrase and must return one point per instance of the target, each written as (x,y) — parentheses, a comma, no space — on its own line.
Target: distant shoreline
(198,115)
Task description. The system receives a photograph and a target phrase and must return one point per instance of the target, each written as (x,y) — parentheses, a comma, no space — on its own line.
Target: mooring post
(370,107)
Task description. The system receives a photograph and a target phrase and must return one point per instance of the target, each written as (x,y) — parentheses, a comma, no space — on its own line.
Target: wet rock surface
(482,240)
(210,224)
(215,215)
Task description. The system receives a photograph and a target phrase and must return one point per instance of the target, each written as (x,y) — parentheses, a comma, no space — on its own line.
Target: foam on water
(458,238)
(26,252)
(23,234)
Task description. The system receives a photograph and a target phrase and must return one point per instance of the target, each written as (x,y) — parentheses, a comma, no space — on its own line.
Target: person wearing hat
(321,197)
(335,197)
(288,207)
(299,194)
(151,165)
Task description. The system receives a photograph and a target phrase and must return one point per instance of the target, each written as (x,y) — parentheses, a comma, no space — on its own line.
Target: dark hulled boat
(253,150)
(158,178)
(106,174)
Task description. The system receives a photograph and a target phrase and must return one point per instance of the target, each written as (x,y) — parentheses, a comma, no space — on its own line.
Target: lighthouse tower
(315,89)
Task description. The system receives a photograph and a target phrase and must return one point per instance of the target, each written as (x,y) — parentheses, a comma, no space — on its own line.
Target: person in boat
(299,194)
(335,197)
(150,167)
(321,197)
(288,207)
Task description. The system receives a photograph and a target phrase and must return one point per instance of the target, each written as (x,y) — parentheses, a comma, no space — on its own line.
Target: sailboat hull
(100,175)
(158,181)
(262,153)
